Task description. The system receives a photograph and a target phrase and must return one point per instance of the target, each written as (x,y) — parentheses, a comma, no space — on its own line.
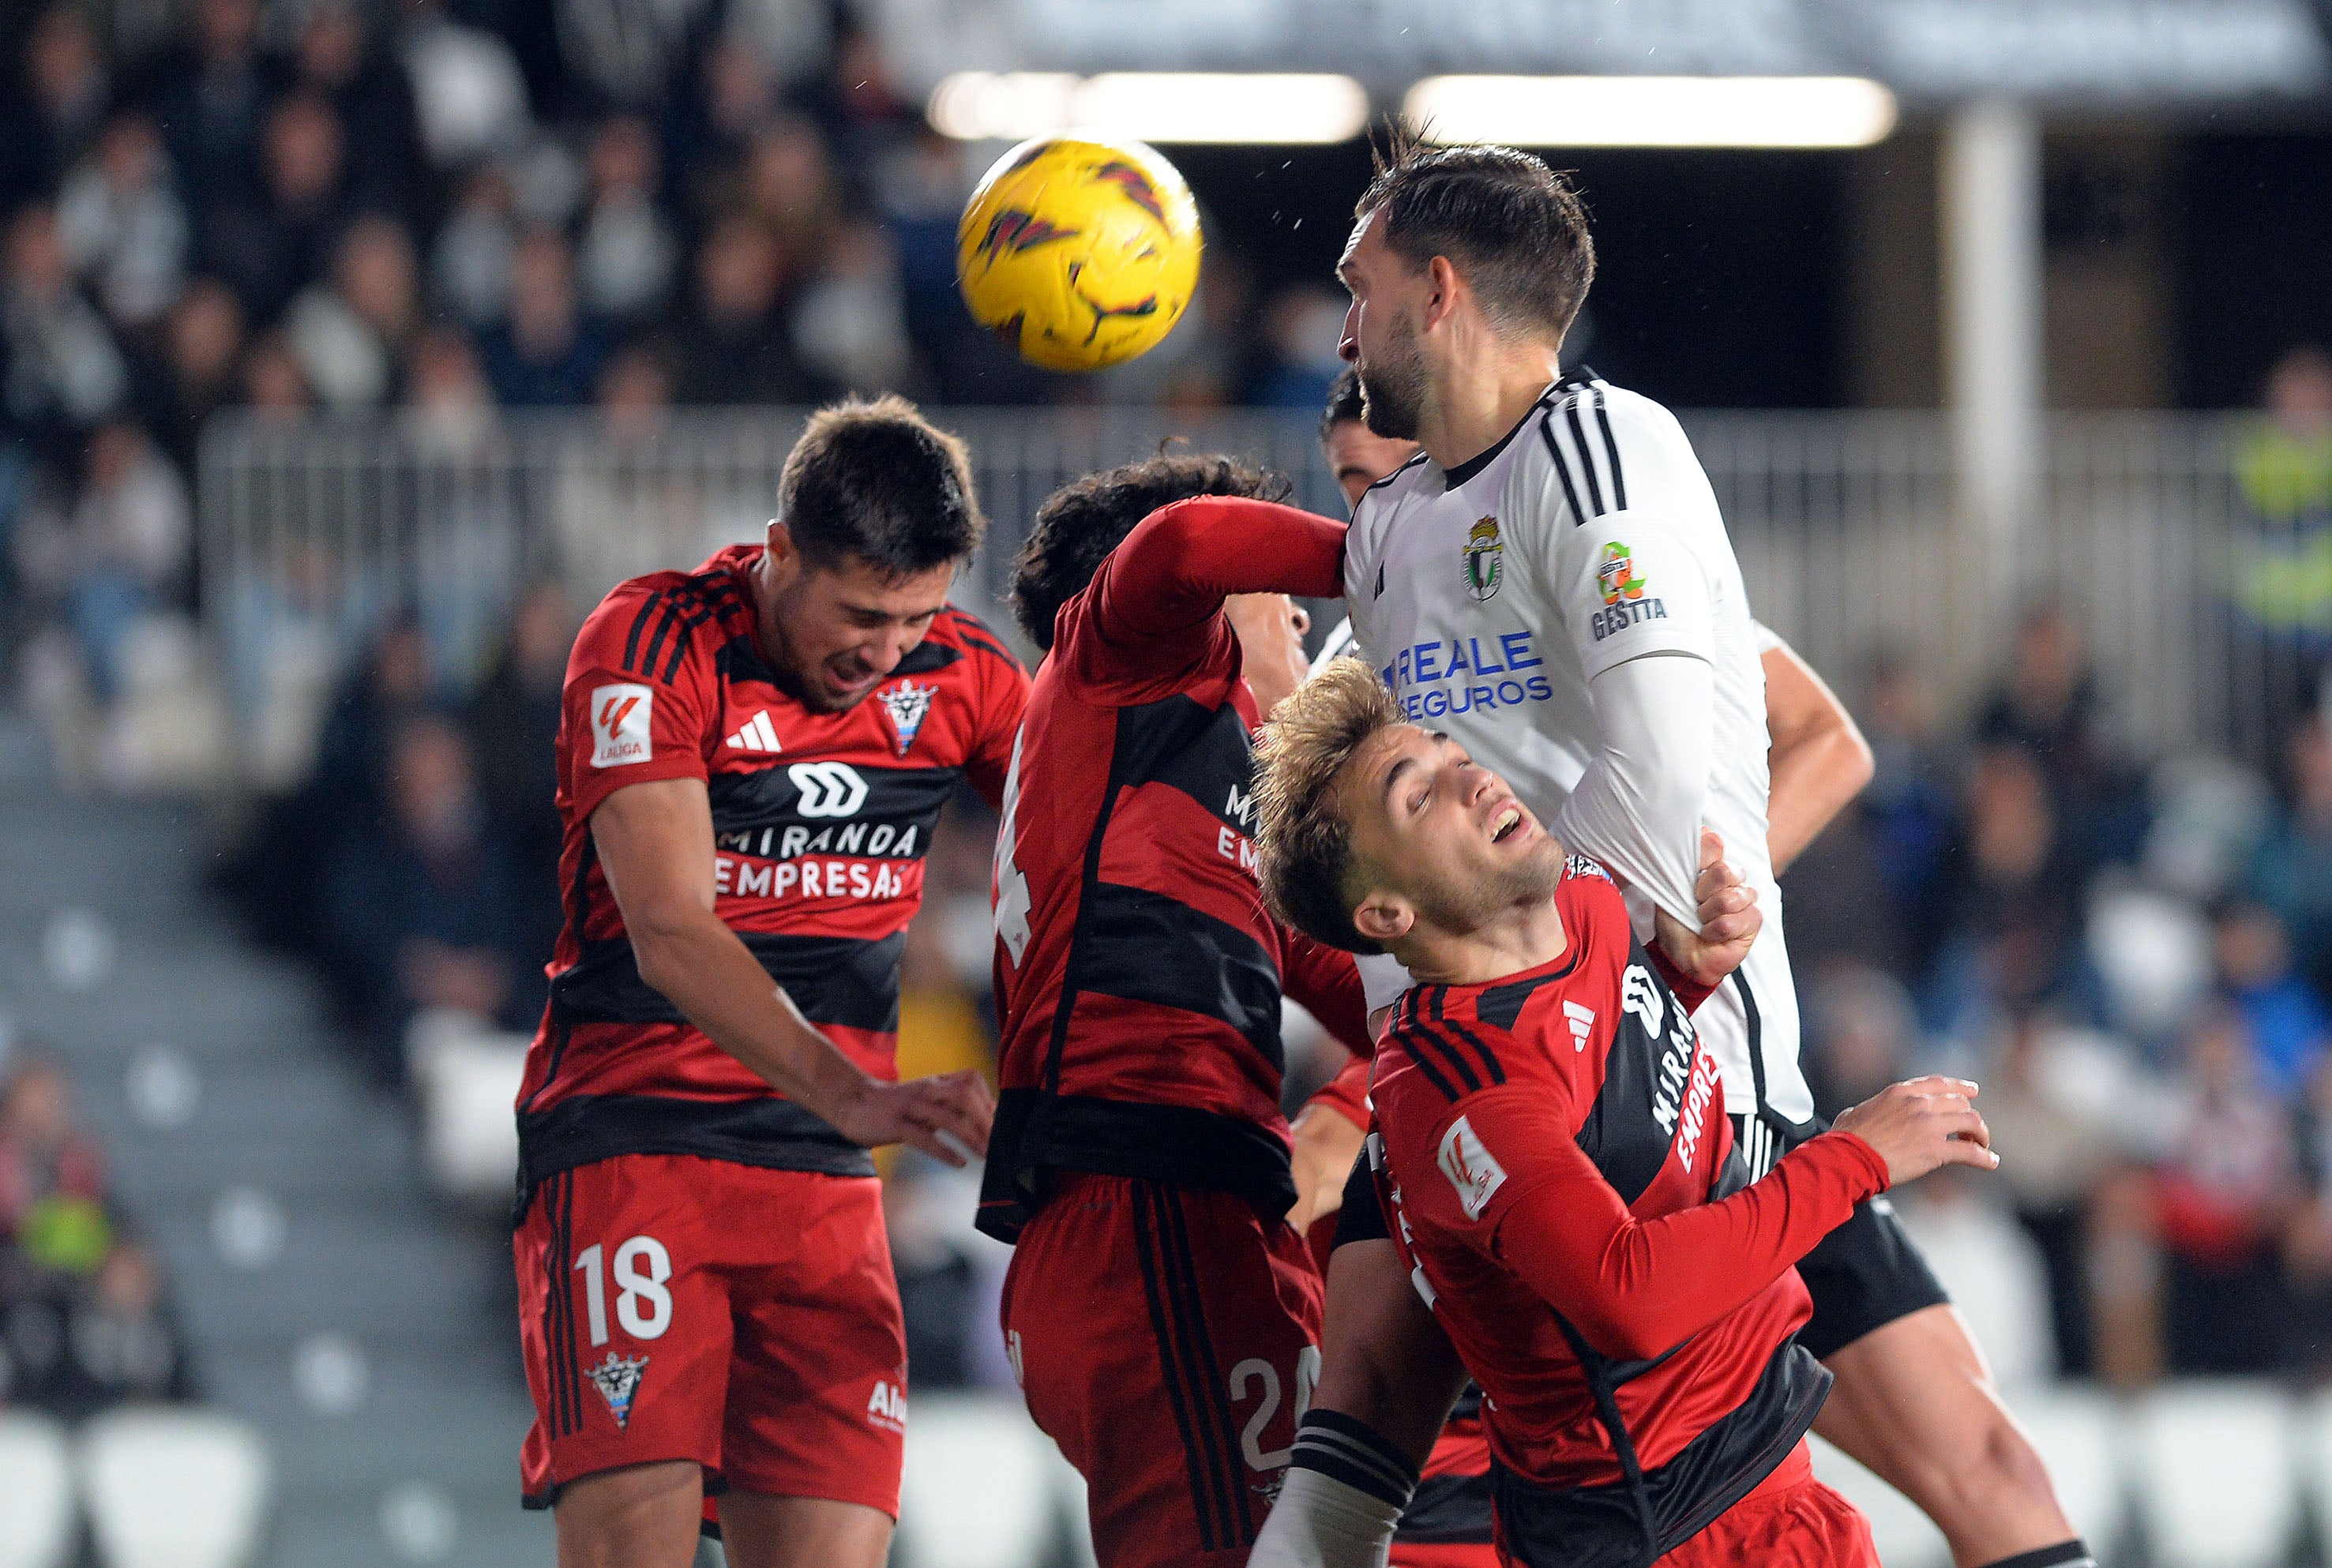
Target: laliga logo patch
(617,1379)
(907,703)
(1469,1167)
(621,723)
(1485,558)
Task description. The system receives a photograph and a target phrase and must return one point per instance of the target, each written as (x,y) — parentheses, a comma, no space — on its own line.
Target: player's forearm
(1636,1287)
(1176,569)
(1638,806)
(704,970)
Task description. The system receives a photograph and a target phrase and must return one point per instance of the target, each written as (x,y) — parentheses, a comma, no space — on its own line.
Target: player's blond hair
(1304,845)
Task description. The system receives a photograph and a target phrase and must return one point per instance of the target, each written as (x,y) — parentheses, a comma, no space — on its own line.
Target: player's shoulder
(1379,500)
(959,637)
(1457,1047)
(653,626)
(1591,441)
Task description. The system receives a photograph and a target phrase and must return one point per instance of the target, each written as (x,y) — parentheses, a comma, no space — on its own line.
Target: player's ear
(1442,288)
(785,556)
(1383,916)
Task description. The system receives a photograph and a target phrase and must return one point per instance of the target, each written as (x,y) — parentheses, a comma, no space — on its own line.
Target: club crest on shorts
(617,1379)
(907,703)
(1485,558)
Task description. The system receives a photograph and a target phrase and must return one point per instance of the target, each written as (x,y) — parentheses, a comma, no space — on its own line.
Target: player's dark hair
(1081,522)
(1302,844)
(1344,402)
(1515,228)
(879,482)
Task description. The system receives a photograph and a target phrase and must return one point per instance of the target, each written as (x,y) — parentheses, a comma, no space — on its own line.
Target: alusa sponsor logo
(886,1407)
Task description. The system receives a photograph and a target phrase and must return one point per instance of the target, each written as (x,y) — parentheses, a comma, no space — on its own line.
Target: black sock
(2070,1554)
(1345,1450)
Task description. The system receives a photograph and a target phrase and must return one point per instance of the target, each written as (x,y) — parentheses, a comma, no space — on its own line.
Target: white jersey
(1488,596)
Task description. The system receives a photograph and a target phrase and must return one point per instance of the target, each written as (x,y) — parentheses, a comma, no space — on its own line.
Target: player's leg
(625,1324)
(818,1391)
(757,1530)
(642,1515)
(1913,1403)
(1167,1339)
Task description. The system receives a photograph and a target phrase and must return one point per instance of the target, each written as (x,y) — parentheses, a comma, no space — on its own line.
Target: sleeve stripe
(1481,1048)
(1611,449)
(639,624)
(1422,1036)
(694,620)
(1562,469)
(1417,1055)
(1579,434)
(672,613)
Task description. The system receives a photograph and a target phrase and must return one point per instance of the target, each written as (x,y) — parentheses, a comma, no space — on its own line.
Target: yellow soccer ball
(1079,254)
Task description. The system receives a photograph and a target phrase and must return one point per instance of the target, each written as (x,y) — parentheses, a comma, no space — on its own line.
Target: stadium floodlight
(1149,106)
(1803,111)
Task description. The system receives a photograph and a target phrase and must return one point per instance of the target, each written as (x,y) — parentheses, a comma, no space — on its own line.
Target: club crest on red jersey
(907,703)
(617,1379)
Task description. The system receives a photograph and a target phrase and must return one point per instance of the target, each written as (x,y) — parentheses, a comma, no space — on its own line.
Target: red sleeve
(1688,990)
(1004,692)
(1328,983)
(1347,1094)
(1501,1170)
(627,718)
(1150,610)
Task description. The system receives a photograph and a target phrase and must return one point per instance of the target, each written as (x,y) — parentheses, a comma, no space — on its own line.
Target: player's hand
(1918,1125)
(1729,919)
(946,1116)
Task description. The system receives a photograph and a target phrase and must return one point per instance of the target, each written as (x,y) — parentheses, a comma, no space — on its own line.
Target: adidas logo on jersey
(758,734)
(1582,1020)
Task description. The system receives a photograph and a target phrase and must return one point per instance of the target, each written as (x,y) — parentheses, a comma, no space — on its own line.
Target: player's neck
(1471,411)
(1520,937)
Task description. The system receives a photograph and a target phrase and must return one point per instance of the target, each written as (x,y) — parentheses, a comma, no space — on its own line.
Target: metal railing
(1846,525)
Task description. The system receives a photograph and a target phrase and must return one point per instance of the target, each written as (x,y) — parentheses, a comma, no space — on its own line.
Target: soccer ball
(1079,254)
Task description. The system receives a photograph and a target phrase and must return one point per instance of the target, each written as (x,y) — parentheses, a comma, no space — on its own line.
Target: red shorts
(1445,1554)
(1790,1521)
(1168,1340)
(674,1307)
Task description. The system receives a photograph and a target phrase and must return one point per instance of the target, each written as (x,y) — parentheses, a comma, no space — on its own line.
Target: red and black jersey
(820,822)
(1554,1149)
(1137,974)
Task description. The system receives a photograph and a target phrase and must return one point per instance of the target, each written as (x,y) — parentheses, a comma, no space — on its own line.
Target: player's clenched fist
(1918,1125)
(1729,919)
(946,1116)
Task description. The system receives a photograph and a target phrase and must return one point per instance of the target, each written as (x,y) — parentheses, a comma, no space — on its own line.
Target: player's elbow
(659,944)
(1850,757)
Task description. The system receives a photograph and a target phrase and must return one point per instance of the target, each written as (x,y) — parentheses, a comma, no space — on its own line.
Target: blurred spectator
(420,907)
(123,1343)
(449,409)
(209,94)
(1995,1276)
(66,90)
(53,1180)
(629,252)
(2283,1021)
(2048,703)
(271,246)
(351,335)
(512,719)
(121,551)
(548,352)
(2292,875)
(635,390)
(787,184)
(477,248)
(734,347)
(1908,801)
(194,373)
(626,51)
(2285,464)
(1861,1035)
(122,225)
(2222,1199)
(851,327)
(63,372)
(468,95)
(1305,328)
(2013,896)
(343,60)
(710,129)
(275,383)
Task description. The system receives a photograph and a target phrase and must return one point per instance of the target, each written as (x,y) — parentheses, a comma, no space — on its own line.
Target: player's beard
(1394,383)
(1464,904)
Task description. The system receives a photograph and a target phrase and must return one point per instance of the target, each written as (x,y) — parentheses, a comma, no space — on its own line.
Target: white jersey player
(1587,546)
(1551,584)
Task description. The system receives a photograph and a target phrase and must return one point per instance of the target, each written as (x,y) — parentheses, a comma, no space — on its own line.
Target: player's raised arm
(655,841)
(1819,759)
